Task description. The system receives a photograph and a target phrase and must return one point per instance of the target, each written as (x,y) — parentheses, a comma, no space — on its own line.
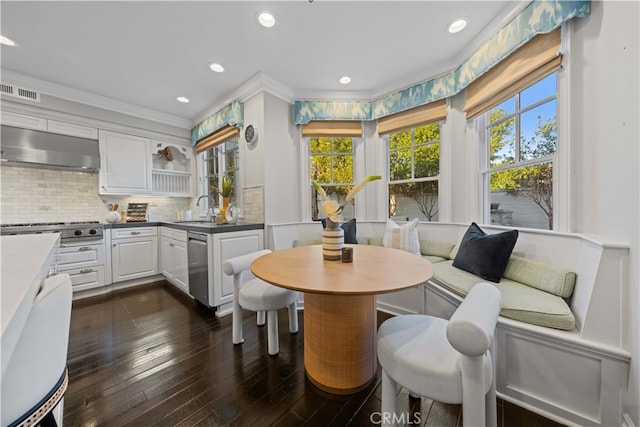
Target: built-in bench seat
(532,292)
(572,371)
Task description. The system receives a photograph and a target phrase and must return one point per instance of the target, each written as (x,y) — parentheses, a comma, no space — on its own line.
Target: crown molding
(257,83)
(92,99)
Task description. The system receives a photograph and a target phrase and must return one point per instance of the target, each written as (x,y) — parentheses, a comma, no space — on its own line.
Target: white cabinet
(23,121)
(134,253)
(71,129)
(124,164)
(173,257)
(40,123)
(225,246)
(84,262)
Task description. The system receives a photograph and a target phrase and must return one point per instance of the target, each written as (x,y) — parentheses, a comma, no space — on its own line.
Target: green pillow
(436,248)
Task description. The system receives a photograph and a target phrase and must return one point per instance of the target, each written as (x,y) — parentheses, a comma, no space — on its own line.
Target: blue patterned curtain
(232,115)
(540,16)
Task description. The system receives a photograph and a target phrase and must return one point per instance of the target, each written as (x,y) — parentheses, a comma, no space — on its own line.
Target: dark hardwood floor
(152,356)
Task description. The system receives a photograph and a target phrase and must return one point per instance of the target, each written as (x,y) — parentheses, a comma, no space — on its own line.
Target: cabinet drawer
(122,233)
(172,233)
(86,278)
(80,256)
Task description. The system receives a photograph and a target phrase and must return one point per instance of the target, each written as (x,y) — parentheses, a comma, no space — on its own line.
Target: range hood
(46,150)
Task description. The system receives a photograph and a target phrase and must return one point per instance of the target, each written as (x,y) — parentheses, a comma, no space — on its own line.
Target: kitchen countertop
(201,226)
(25,263)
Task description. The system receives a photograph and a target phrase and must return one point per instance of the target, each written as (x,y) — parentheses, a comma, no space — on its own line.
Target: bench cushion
(547,277)
(519,302)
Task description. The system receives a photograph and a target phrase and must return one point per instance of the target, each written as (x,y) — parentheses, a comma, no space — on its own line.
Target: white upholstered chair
(251,293)
(447,361)
(35,379)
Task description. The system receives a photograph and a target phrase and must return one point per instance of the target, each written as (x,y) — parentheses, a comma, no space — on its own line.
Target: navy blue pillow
(349,228)
(485,255)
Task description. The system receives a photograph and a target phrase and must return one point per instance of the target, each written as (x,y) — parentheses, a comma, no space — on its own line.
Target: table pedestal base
(340,341)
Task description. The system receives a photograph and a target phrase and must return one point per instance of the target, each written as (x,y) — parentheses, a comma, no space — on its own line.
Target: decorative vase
(332,241)
(223,210)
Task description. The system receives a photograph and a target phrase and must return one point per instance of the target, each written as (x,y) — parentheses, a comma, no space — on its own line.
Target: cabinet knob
(135,233)
(114,245)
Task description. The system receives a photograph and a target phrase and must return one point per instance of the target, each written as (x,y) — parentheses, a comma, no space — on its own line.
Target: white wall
(252,160)
(282,162)
(604,113)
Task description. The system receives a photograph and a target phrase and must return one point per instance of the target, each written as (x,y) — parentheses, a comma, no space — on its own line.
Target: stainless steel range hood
(31,148)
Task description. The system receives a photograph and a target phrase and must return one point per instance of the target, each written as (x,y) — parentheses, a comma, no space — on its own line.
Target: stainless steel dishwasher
(198,266)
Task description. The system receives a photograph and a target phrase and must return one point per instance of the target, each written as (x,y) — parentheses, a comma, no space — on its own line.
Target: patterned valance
(230,115)
(541,16)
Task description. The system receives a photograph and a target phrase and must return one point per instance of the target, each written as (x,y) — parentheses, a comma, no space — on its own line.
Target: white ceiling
(145,54)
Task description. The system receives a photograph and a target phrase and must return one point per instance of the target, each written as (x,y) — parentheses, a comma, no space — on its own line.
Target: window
(331,165)
(414,170)
(520,147)
(221,160)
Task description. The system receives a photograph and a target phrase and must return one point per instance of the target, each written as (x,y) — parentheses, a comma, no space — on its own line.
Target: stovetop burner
(44,224)
(69,231)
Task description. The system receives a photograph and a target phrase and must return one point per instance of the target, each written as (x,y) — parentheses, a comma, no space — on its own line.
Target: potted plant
(227,188)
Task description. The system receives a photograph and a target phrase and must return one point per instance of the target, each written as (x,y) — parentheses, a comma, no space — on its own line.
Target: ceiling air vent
(19,92)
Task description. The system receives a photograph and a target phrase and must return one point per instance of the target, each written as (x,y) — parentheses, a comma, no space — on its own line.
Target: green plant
(227,186)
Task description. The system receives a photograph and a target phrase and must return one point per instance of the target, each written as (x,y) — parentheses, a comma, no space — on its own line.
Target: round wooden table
(340,306)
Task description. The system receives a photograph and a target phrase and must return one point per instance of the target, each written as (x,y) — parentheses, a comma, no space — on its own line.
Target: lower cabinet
(173,257)
(225,246)
(134,253)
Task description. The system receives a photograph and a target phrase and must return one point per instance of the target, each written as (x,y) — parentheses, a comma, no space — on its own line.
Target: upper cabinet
(134,165)
(124,164)
(40,123)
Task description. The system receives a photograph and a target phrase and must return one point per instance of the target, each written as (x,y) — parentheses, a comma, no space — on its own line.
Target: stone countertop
(25,261)
(201,226)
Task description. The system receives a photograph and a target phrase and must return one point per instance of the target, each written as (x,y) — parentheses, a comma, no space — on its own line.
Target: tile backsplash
(43,195)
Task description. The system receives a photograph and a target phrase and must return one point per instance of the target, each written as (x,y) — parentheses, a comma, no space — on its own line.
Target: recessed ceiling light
(6,41)
(266,19)
(457,25)
(217,68)
(183,99)
(345,80)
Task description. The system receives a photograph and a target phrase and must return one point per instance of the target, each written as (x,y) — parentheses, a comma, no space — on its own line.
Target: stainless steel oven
(81,253)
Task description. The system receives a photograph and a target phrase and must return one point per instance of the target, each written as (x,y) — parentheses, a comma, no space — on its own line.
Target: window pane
(502,143)
(540,90)
(523,197)
(343,169)
(400,139)
(501,110)
(321,169)
(414,200)
(320,145)
(399,165)
(426,133)
(538,131)
(335,192)
(230,160)
(427,160)
(342,145)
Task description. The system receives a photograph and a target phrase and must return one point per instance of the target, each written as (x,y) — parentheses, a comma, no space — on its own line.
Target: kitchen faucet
(210,216)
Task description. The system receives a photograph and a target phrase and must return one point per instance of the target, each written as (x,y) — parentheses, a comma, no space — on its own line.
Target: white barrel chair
(447,361)
(35,379)
(251,293)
